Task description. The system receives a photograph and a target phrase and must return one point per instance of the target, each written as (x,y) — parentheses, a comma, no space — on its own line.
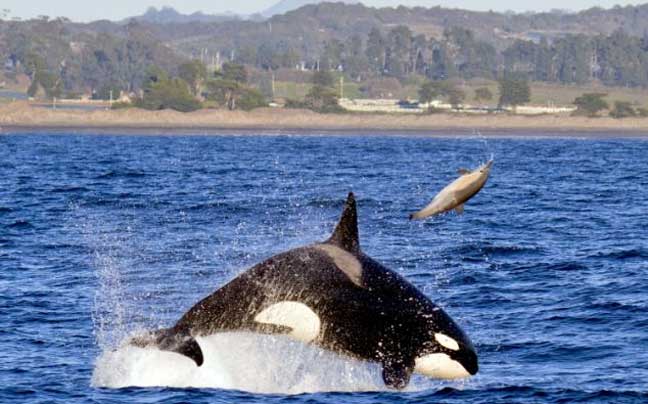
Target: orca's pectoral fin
(191,350)
(182,344)
(397,374)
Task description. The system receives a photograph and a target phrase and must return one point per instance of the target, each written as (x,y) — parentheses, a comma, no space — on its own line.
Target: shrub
(623,109)
(590,104)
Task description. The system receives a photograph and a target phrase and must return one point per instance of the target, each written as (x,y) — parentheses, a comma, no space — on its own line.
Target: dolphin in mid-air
(332,295)
(455,195)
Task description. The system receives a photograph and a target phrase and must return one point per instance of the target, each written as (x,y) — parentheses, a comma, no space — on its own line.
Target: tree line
(615,60)
(62,59)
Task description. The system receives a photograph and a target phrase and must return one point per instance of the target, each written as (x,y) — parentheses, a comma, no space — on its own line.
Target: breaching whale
(457,193)
(334,296)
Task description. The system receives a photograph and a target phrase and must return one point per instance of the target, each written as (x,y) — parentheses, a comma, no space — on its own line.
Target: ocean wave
(623,253)
(565,266)
(231,207)
(522,394)
(121,174)
(20,224)
(71,189)
(495,250)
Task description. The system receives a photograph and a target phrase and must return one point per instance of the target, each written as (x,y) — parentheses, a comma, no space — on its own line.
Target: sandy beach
(23,117)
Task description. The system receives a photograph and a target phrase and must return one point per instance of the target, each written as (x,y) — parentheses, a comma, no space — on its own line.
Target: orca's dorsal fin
(346,235)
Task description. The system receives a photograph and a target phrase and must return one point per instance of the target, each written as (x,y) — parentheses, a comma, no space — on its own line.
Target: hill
(285,6)
(168,15)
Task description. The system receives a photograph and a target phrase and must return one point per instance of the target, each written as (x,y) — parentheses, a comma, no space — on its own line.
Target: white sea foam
(240,361)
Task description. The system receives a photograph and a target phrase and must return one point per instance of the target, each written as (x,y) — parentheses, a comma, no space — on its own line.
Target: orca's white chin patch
(440,366)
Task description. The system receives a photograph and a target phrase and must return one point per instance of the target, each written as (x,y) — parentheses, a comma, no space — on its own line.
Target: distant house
(8,65)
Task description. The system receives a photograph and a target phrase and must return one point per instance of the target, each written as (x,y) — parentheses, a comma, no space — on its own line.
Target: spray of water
(486,149)
(242,361)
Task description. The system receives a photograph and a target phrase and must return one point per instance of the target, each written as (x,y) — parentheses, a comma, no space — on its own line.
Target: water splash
(241,361)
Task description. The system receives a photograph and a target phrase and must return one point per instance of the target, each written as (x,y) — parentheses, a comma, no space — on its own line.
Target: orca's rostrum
(334,296)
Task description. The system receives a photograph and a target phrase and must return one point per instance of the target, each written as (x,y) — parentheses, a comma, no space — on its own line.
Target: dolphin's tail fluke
(169,340)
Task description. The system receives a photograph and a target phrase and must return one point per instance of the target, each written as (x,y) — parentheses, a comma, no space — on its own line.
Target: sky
(88,10)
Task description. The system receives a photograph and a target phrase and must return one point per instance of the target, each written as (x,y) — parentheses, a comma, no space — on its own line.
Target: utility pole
(111,98)
(273,85)
(341,87)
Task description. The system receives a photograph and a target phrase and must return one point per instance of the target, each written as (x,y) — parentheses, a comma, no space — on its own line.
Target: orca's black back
(382,316)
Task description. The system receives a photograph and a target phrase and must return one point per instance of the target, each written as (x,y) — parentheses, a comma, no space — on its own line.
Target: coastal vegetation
(430,54)
(229,89)
(514,92)
(162,92)
(590,104)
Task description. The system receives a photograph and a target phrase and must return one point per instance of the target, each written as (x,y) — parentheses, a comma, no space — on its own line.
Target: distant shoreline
(20,117)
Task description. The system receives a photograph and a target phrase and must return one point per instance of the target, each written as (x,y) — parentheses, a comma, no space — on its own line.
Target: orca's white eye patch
(446,341)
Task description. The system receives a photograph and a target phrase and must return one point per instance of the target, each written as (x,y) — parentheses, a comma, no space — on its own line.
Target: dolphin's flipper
(397,374)
(459,209)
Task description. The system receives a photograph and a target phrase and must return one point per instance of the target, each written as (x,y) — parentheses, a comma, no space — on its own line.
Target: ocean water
(104,236)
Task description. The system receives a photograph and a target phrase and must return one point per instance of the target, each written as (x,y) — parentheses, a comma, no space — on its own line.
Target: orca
(334,296)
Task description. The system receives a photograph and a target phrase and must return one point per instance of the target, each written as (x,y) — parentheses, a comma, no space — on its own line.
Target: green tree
(194,73)
(622,109)
(251,98)
(399,43)
(472,58)
(107,91)
(590,104)
(514,92)
(323,78)
(49,82)
(483,94)
(322,97)
(355,62)
(323,100)
(233,72)
(230,89)
(224,92)
(160,92)
(455,97)
(154,74)
(428,92)
(375,52)
(332,57)
(431,90)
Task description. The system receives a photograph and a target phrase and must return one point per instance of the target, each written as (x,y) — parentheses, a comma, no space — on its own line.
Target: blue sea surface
(546,271)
